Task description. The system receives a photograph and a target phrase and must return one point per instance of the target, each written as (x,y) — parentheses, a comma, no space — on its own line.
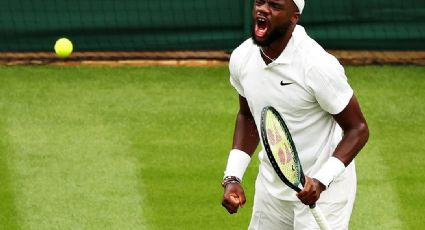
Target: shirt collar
(287,54)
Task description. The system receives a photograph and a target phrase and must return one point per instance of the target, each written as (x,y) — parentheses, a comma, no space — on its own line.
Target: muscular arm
(356,134)
(245,136)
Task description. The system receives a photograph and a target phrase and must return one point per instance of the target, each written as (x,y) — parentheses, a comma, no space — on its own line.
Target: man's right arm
(245,141)
(245,137)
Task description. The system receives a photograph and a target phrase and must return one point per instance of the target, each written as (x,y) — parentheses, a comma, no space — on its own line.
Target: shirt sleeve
(234,69)
(329,85)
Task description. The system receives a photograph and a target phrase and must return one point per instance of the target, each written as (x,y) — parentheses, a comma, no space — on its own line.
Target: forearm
(245,141)
(351,144)
(245,136)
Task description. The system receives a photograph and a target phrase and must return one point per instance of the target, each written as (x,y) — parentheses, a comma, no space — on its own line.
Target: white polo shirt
(306,85)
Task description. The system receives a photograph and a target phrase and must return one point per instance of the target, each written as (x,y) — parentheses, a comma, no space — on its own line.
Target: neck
(273,51)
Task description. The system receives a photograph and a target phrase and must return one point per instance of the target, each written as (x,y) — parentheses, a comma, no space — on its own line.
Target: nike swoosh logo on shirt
(285,83)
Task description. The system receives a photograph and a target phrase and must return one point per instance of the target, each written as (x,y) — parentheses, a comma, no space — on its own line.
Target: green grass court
(145,148)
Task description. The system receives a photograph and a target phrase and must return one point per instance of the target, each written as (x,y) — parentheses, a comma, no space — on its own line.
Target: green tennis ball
(63,47)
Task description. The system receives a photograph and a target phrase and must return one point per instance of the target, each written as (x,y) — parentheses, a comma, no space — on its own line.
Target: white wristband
(237,163)
(329,171)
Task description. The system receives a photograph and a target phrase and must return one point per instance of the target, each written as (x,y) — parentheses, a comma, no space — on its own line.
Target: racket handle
(320,218)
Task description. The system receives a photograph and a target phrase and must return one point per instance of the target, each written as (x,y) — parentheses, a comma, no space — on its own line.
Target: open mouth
(261,27)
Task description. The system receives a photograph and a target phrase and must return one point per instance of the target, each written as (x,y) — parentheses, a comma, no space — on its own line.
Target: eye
(275,5)
(259,2)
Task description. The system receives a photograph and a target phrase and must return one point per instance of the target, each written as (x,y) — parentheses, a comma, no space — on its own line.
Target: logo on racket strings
(276,140)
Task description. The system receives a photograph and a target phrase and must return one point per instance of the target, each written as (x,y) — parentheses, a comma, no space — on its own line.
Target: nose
(262,8)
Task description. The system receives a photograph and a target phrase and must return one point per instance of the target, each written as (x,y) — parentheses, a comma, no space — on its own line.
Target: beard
(274,35)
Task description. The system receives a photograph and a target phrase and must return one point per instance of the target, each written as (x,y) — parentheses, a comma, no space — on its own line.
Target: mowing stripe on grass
(71,160)
(8,213)
(392,99)
(377,200)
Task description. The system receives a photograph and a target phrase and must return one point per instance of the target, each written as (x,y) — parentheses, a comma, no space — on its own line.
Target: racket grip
(320,218)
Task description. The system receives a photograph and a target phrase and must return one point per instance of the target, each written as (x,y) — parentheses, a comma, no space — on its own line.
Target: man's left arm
(356,134)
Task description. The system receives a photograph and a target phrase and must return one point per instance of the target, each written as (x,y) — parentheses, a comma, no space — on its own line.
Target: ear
(295,17)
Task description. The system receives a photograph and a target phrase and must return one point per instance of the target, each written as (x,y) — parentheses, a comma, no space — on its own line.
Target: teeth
(261,20)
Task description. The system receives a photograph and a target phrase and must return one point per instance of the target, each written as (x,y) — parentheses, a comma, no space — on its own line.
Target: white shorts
(270,213)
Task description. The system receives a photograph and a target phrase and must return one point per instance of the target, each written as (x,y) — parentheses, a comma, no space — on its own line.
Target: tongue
(260,31)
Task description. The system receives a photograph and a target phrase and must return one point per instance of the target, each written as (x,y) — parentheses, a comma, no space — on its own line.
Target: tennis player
(281,66)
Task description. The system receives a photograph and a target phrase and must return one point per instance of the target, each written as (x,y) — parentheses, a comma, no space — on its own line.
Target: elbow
(364,132)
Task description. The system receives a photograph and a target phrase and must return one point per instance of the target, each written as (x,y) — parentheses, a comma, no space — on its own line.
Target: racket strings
(281,149)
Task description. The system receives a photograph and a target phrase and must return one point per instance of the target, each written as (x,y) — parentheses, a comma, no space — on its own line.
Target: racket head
(280,148)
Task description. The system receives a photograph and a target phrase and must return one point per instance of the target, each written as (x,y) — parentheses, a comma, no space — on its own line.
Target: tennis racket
(283,156)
